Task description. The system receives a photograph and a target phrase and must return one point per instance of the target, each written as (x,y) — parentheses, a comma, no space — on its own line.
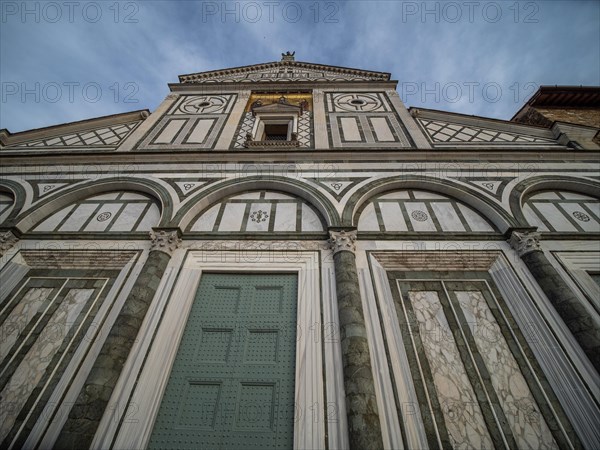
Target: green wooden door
(232,383)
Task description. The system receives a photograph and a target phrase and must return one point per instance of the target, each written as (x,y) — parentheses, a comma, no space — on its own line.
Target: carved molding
(525,242)
(341,241)
(7,240)
(166,241)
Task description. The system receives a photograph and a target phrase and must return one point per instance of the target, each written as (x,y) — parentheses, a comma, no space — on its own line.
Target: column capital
(342,240)
(165,240)
(8,238)
(525,242)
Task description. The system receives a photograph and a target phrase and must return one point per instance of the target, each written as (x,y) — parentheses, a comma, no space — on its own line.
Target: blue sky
(62,62)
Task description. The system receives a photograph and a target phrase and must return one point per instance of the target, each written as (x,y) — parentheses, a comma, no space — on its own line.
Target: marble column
(84,418)
(361,403)
(563,299)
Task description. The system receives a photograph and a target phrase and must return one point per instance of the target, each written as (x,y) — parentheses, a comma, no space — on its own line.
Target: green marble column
(361,403)
(84,418)
(562,297)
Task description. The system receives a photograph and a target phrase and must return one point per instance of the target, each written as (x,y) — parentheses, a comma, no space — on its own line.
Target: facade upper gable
(284,71)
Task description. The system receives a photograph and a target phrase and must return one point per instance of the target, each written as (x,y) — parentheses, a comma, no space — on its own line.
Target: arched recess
(17,193)
(259,212)
(30,219)
(530,186)
(484,206)
(419,211)
(228,188)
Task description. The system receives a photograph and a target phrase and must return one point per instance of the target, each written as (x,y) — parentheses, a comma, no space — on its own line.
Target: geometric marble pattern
(34,364)
(554,211)
(528,425)
(338,187)
(304,129)
(440,131)
(114,211)
(259,212)
(6,204)
(109,136)
(419,211)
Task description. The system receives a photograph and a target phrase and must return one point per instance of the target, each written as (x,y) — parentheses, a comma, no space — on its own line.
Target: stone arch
(17,192)
(213,194)
(545,183)
(64,198)
(484,206)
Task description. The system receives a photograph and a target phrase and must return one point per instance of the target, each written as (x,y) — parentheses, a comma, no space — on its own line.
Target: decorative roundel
(357,102)
(103,217)
(203,104)
(581,216)
(420,216)
(259,216)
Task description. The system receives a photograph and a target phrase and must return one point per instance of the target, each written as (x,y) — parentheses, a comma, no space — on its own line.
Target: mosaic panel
(555,211)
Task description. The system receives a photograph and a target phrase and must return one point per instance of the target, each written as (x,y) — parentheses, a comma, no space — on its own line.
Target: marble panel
(20,316)
(555,217)
(128,217)
(310,220)
(52,222)
(368,219)
(475,221)
(200,131)
(259,218)
(462,414)
(382,130)
(581,217)
(232,217)
(167,135)
(522,413)
(393,220)
(277,196)
(398,195)
(419,216)
(350,129)
(285,217)
(133,196)
(33,366)
(103,217)
(533,219)
(151,219)
(447,216)
(77,219)
(206,222)
(424,195)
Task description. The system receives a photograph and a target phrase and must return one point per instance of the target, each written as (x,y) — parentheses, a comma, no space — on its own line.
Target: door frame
(309,378)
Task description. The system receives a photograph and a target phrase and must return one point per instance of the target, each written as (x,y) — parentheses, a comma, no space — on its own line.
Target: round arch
(204,199)
(63,199)
(501,219)
(545,183)
(19,195)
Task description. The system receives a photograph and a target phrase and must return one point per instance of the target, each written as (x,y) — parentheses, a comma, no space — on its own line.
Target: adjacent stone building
(283,255)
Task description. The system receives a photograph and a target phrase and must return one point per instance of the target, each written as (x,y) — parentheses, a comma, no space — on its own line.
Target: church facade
(284,256)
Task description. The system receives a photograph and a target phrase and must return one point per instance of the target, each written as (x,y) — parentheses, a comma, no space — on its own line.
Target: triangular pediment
(284,71)
(277,108)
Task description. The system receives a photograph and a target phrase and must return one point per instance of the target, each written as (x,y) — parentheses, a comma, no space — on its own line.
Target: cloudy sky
(67,61)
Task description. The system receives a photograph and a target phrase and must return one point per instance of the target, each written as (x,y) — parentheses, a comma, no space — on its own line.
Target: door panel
(232,382)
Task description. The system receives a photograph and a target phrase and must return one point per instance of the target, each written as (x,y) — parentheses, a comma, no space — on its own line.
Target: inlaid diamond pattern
(101,136)
(449,132)
(245,128)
